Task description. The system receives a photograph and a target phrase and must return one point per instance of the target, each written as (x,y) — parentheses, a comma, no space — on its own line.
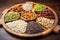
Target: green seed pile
(10,16)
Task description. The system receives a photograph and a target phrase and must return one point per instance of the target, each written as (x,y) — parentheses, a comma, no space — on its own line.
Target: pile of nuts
(28,16)
(17,8)
(45,21)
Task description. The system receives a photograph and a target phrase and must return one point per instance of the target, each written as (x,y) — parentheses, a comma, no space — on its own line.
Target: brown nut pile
(28,16)
(17,8)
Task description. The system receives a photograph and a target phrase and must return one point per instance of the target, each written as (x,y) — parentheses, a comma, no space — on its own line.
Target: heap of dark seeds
(33,28)
(47,13)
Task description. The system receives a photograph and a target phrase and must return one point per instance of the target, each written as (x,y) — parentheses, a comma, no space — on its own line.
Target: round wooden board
(46,32)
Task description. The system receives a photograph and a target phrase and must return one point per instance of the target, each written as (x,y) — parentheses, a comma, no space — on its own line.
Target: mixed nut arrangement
(29,18)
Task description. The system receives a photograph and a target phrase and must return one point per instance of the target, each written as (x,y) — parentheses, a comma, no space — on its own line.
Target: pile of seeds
(27,6)
(47,13)
(45,21)
(18,26)
(11,16)
(39,7)
(33,27)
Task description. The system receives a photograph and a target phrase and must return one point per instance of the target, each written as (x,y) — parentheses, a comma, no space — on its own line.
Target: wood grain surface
(55,4)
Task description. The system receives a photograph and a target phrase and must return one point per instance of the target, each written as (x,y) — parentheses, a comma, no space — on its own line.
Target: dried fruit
(47,13)
(39,7)
(10,16)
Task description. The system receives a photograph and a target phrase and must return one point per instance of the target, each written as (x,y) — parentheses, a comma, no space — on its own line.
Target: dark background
(54,4)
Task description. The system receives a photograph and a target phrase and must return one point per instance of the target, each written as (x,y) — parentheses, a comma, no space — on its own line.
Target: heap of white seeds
(18,26)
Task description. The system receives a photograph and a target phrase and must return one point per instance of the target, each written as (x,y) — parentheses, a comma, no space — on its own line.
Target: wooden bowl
(46,32)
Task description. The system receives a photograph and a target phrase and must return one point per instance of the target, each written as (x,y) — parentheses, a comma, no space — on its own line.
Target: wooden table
(55,4)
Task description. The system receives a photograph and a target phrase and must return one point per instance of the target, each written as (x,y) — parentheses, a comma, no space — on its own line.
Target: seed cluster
(33,27)
(46,13)
(18,26)
(11,16)
(45,21)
